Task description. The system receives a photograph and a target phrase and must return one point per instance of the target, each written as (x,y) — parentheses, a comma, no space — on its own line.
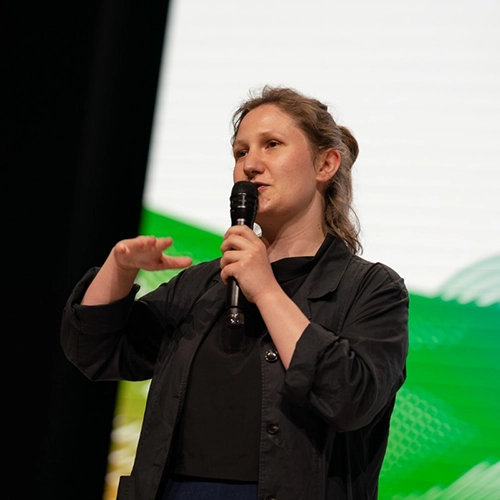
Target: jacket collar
(332,265)
(328,271)
(324,278)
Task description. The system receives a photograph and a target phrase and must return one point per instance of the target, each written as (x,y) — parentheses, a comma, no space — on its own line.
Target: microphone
(244,201)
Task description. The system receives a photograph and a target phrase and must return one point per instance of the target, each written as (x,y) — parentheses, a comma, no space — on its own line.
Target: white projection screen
(418,84)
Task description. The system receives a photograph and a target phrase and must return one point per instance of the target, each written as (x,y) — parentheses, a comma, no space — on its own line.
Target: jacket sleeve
(349,376)
(117,341)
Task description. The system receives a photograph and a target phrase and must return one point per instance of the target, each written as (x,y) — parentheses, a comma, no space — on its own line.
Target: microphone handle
(235,314)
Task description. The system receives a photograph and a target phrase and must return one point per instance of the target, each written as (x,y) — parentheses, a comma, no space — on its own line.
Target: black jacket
(325,420)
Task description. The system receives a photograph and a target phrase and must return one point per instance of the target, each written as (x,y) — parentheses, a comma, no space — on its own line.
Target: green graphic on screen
(444,442)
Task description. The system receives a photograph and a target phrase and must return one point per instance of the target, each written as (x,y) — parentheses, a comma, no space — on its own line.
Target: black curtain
(79,88)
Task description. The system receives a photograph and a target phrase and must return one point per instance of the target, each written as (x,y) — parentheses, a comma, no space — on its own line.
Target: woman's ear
(329,163)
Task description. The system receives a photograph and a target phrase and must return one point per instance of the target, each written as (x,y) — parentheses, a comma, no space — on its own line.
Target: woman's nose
(252,164)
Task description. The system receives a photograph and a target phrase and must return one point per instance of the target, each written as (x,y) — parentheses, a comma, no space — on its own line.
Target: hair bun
(350,141)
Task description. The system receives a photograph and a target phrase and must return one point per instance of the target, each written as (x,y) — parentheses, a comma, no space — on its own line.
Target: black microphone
(244,201)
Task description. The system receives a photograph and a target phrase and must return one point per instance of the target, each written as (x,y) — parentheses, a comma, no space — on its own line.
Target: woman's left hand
(245,258)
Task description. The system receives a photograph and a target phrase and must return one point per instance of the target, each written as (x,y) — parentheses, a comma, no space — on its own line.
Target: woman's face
(271,151)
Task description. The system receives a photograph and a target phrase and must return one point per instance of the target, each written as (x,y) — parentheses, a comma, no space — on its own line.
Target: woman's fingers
(146,252)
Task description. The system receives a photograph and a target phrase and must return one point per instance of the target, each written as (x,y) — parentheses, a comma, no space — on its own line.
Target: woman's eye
(272,144)
(240,153)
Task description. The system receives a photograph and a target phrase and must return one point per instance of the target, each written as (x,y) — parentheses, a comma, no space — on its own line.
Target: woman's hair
(313,118)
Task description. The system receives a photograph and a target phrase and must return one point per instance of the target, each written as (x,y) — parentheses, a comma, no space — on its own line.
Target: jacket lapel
(325,276)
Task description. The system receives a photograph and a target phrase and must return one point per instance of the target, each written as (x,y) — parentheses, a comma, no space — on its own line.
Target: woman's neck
(293,242)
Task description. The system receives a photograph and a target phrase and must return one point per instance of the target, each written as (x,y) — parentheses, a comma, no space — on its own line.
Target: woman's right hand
(116,276)
(147,252)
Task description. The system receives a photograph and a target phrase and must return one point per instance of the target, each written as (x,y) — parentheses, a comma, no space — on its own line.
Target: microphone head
(245,187)
(244,202)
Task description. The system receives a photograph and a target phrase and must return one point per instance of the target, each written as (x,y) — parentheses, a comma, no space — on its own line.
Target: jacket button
(273,428)
(271,355)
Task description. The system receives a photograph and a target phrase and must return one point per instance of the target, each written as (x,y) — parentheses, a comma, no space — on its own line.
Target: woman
(296,403)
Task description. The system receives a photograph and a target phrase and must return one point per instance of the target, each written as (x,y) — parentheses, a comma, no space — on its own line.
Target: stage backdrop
(418,84)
